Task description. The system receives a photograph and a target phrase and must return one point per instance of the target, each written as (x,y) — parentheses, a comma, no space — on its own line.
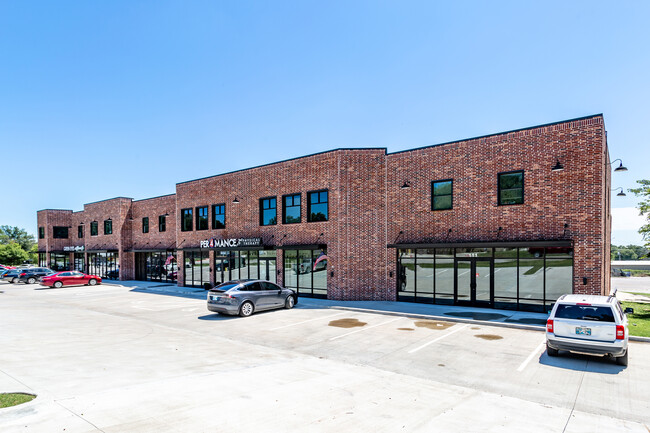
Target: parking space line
(531,356)
(306,321)
(363,329)
(438,339)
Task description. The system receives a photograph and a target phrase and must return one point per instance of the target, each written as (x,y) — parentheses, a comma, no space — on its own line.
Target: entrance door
(474,281)
(267,269)
(221,270)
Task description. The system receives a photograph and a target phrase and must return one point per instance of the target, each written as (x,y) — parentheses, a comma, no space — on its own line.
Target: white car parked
(590,324)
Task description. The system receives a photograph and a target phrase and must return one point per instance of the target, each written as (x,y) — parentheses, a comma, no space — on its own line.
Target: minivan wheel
(289,303)
(622,360)
(550,351)
(31,280)
(246,309)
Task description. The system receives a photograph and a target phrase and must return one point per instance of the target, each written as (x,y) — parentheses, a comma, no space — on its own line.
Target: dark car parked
(11,276)
(32,275)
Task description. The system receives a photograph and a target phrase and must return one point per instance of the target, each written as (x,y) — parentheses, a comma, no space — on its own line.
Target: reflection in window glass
(505,282)
(511,188)
(424,275)
(559,278)
(253,265)
(268,212)
(291,269)
(441,195)
(531,282)
(406,276)
(318,206)
(291,209)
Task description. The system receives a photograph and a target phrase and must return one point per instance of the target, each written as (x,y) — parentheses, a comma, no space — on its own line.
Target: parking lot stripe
(531,356)
(306,321)
(363,329)
(439,338)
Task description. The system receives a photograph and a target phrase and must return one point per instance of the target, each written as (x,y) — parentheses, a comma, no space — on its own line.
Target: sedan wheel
(246,309)
(31,280)
(58,284)
(289,303)
(92,282)
(14,280)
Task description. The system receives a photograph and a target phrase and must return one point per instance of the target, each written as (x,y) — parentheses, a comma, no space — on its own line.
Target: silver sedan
(244,297)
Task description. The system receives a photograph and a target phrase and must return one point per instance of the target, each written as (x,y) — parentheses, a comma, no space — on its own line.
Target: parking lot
(111,359)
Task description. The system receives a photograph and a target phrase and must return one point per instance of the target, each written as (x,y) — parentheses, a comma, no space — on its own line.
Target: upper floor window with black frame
(60,232)
(291,209)
(108,227)
(219,216)
(80,231)
(94,229)
(41,232)
(145,225)
(442,194)
(186,220)
(202,218)
(511,188)
(318,206)
(268,211)
(162,223)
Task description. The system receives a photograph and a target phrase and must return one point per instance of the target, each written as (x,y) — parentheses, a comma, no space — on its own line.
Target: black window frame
(262,209)
(162,223)
(60,232)
(108,227)
(284,208)
(41,232)
(80,231)
(523,184)
(145,224)
(433,195)
(94,228)
(184,218)
(309,205)
(199,218)
(220,207)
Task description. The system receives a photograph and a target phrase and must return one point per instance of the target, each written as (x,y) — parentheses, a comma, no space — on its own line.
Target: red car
(70,278)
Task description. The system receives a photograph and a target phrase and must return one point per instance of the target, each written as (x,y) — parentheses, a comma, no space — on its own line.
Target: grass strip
(14,399)
(639,322)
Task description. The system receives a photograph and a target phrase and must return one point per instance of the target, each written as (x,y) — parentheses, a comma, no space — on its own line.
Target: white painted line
(439,338)
(463,273)
(363,329)
(307,321)
(532,355)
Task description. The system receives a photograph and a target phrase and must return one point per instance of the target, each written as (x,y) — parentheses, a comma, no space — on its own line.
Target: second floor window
(108,227)
(291,209)
(80,232)
(186,220)
(268,212)
(442,194)
(219,216)
(318,206)
(145,225)
(94,229)
(202,218)
(41,232)
(60,232)
(162,223)
(511,188)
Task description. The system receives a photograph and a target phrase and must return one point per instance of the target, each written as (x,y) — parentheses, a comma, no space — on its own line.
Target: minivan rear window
(585,312)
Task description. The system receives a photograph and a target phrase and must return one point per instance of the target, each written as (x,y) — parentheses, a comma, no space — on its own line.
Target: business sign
(231,243)
(75,249)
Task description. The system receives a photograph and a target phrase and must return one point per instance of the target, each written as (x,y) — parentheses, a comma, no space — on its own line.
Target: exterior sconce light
(235,201)
(620,167)
(166,214)
(82,223)
(109,219)
(620,194)
(406,185)
(558,166)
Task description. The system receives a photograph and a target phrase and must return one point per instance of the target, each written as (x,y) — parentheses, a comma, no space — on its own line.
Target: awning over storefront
(506,244)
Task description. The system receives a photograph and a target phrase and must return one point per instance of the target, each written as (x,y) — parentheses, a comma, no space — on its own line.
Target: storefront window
(104,265)
(156,266)
(59,262)
(306,271)
(197,268)
(79,262)
(318,206)
(444,276)
(42,260)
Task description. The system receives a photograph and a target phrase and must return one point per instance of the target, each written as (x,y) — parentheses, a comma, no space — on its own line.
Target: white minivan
(590,324)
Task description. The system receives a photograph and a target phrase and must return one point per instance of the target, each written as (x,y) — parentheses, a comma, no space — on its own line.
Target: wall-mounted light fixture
(82,223)
(166,214)
(406,185)
(620,194)
(235,201)
(620,167)
(558,166)
(499,231)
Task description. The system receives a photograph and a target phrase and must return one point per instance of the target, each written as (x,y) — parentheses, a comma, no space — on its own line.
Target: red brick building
(509,220)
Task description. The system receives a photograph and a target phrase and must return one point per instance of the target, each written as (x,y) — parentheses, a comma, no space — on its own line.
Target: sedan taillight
(549,325)
(23,274)
(620,332)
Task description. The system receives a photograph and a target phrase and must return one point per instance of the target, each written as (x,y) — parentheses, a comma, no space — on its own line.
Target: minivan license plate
(583,331)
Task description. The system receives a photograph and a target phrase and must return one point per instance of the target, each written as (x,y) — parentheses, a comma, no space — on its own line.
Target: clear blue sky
(125,98)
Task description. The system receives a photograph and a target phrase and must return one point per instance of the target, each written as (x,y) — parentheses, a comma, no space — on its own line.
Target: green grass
(647,295)
(638,272)
(14,399)
(639,322)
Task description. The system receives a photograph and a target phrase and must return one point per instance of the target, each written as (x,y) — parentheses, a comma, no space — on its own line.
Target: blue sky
(126,98)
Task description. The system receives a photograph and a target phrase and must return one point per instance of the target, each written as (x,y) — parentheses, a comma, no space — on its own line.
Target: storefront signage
(76,249)
(231,243)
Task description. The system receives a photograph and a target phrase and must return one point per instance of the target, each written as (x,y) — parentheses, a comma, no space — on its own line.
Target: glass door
(474,278)
(221,271)
(267,269)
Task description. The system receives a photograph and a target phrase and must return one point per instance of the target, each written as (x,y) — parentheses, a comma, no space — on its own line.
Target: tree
(644,207)
(10,234)
(12,254)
